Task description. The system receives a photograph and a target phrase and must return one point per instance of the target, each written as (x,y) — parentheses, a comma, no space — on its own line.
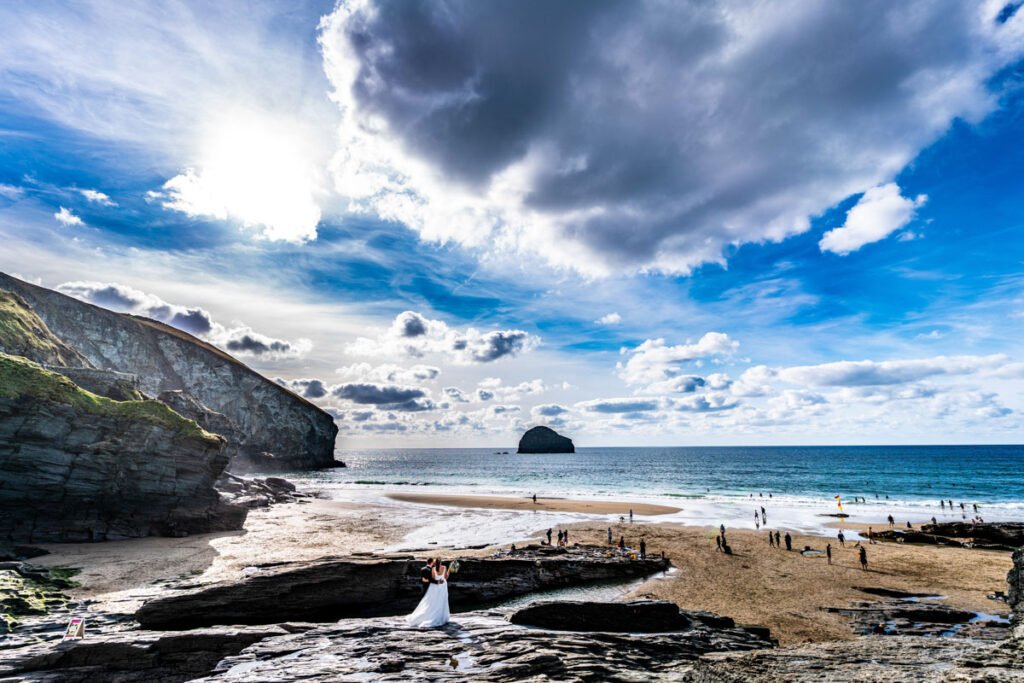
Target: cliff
(75,466)
(545,440)
(272,428)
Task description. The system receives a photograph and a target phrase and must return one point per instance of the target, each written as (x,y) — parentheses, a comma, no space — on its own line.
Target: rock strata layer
(75,466)
(344,587)
(545,440)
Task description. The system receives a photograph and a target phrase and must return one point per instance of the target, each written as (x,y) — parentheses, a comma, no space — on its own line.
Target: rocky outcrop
(639,616)
(545,440)
(134,657)
(985,535)
(276,429)
(78,467)
(343,587)
(119,386)
(1015,593)
(474,647)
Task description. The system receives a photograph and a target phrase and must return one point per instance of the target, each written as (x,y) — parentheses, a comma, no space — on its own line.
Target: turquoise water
(982,474)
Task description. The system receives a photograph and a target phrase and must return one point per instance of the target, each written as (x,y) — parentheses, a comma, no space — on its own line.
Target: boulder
(986,535)
(641,616)
(331,588)
(75,466)
(545,440)
(277,430)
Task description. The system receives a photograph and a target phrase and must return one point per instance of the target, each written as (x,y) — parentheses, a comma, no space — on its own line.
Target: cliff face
(274,429)
(75,466)
(23,333)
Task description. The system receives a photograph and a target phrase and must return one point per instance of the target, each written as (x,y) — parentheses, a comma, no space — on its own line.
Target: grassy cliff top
(20,377)
(22,332)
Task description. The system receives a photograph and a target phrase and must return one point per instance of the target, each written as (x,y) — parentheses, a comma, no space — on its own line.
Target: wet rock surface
(477,646)
(642,616)
(545,440)
(984,535)
(331,588)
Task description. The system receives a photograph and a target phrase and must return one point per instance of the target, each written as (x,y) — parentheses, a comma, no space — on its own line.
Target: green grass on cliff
(22,330)
(20,377)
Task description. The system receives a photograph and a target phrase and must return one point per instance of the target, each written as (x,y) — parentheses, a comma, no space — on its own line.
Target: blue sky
(639,223)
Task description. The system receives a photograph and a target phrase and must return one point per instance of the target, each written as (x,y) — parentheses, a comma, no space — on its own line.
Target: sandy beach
(595,507)
(783,590)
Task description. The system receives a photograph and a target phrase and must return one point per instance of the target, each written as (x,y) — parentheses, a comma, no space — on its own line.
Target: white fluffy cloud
(97,197)
(413,335)
(741,122)
(609,319)
(66,218)
(659,368)
(389,373)
(870,373)
(880,212)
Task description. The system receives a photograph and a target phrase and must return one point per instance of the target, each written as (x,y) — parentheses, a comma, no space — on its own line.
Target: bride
(433,608)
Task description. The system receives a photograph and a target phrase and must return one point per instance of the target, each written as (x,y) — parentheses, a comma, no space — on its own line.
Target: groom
(426,576)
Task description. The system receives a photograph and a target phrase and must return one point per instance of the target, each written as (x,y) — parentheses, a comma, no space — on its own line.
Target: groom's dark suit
(426,578)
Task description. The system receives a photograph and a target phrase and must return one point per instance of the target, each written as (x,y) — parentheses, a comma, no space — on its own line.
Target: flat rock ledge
(332,588)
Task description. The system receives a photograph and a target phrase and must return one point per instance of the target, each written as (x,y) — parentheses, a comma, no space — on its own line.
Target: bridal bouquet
(453,567)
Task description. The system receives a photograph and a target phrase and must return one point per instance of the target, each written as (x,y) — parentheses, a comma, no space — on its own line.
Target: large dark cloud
(385,397)
(257,345)
(123,299)
(657,133)
(494,345)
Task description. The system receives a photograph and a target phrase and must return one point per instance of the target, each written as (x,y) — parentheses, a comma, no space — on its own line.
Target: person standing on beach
(622,542)
(764,516)
(942,504)
(828,552)
(610,541)
(757,520)
(842,539)
(863,558)
(777,539)
(643,549)
(535,499)
(892,522)
(789,541)
(565,536)
(549,536)
(871,535)
(718,543)
(721,527)
(631,515)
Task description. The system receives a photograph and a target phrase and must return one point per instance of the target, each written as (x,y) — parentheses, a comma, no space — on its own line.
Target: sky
(640,223)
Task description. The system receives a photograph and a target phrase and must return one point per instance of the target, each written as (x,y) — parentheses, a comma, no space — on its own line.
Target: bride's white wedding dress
(433,608)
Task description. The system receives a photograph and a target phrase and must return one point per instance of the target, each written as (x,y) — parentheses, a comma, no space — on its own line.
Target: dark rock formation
(26,590)
(134,656)
(338,587)
(77,467)
(1015,593)
(545,440)
(474,647)
(641,616)
(986,535)
(276,429)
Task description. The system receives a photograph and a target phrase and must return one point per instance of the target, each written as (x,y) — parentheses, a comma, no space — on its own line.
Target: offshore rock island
(545,440)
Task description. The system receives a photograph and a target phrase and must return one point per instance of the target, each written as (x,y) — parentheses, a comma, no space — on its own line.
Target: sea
(797,486)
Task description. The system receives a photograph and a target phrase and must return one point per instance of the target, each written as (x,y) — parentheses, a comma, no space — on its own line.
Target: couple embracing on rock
(433,608)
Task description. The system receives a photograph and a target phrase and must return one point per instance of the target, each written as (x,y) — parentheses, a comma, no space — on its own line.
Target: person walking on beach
(771,540)
(789,541)
(863,558)
(549,536)
(535,499)
(892,522)
(757,521)
(871,535)
(610,541)
(643,549)
(777,539)
(565,536)
(631,515)
(622,542)
(842,539)
(942,504)
(721,527)
(718,543)
(828,553)
(764,516)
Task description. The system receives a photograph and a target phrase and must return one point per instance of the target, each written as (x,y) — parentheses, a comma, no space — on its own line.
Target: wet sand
(595,507)
(789,592)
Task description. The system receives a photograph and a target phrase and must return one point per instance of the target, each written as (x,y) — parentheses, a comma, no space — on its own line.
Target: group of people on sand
(563,538)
